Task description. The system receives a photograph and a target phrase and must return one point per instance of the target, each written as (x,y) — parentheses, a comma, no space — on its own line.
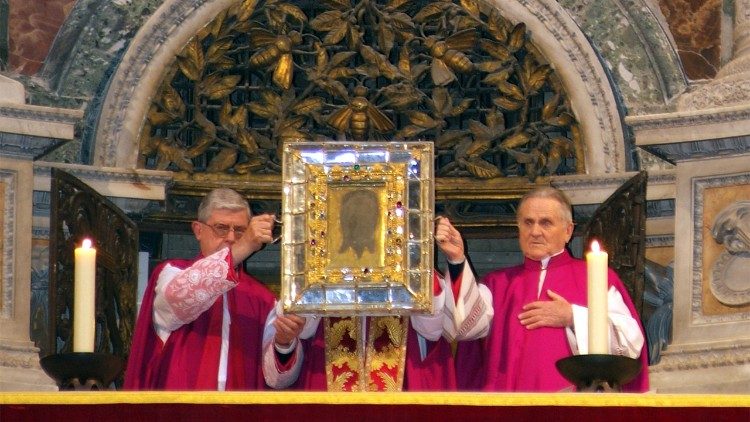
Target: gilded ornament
(275,51)
(265,72)
(359,116)
(447,56)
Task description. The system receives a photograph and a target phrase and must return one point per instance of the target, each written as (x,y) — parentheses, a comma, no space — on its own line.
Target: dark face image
(359,221)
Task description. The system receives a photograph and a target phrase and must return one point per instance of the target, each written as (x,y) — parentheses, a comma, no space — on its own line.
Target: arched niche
(168,30)
(141,71)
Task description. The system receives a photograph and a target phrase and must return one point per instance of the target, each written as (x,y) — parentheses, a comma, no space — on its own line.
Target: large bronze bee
(447,56)
(275,50)
(359,115)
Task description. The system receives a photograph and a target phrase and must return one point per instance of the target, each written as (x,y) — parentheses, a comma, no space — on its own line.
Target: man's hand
(258,232)
(449,240)
(288,327)
(547,313)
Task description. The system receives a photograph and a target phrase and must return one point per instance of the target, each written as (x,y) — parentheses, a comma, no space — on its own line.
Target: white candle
(596,266)
(84,298)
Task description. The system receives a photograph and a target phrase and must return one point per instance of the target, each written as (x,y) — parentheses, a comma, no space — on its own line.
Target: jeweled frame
(383,270)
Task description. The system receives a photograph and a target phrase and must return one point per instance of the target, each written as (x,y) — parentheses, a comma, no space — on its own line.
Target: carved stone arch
(141,71)
(634,41)
(561,41)
(555,33)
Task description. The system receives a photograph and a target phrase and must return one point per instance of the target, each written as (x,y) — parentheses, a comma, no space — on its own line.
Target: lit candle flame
(84,297)
(596,269)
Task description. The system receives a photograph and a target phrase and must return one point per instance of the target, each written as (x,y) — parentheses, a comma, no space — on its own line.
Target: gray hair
(222,199)
(566,209)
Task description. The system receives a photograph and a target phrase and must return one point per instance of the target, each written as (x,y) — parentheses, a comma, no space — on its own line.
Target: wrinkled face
(220,230)
(542,230)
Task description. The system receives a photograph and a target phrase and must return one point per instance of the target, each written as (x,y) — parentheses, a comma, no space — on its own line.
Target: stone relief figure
(658,299)
(732,228)
(729,281)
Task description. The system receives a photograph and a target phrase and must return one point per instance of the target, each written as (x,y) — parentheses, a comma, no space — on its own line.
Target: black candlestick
(598,373)
(82,370)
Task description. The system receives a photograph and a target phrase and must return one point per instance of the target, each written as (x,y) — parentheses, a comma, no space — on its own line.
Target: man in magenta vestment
(521,320)
(201,321)
(406,353)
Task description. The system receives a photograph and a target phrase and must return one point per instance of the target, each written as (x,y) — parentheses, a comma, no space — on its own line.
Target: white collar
(545,260)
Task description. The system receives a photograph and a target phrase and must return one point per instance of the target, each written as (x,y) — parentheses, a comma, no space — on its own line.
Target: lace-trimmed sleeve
(183,295)
(469,317)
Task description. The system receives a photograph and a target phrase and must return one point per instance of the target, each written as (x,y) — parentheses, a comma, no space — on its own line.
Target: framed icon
(357,228)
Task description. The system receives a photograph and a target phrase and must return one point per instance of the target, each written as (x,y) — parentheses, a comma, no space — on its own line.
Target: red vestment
(189,360)
(514,358)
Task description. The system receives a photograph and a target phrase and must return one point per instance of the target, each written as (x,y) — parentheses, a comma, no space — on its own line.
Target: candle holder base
(598,373)
(82,370)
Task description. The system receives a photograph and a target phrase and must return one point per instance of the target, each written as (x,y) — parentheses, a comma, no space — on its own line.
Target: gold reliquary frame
(357,228)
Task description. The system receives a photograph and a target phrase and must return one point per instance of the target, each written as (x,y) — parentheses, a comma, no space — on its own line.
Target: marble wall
(32,27)
(76,41)
(696,28)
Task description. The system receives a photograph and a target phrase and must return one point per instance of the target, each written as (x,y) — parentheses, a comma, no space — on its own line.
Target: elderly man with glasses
(201,321)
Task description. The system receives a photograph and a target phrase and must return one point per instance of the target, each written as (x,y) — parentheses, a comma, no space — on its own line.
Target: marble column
(26,132)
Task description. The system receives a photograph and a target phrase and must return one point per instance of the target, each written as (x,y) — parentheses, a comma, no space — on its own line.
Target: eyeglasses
(222,230)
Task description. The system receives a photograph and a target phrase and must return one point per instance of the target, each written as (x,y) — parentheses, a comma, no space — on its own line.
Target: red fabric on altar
(360,412)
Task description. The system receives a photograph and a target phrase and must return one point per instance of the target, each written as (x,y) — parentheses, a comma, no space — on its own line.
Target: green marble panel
(635,48)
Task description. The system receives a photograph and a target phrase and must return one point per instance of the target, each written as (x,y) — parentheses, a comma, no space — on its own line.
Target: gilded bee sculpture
(276,50)
(364,70)
(359,116)
(447,56)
